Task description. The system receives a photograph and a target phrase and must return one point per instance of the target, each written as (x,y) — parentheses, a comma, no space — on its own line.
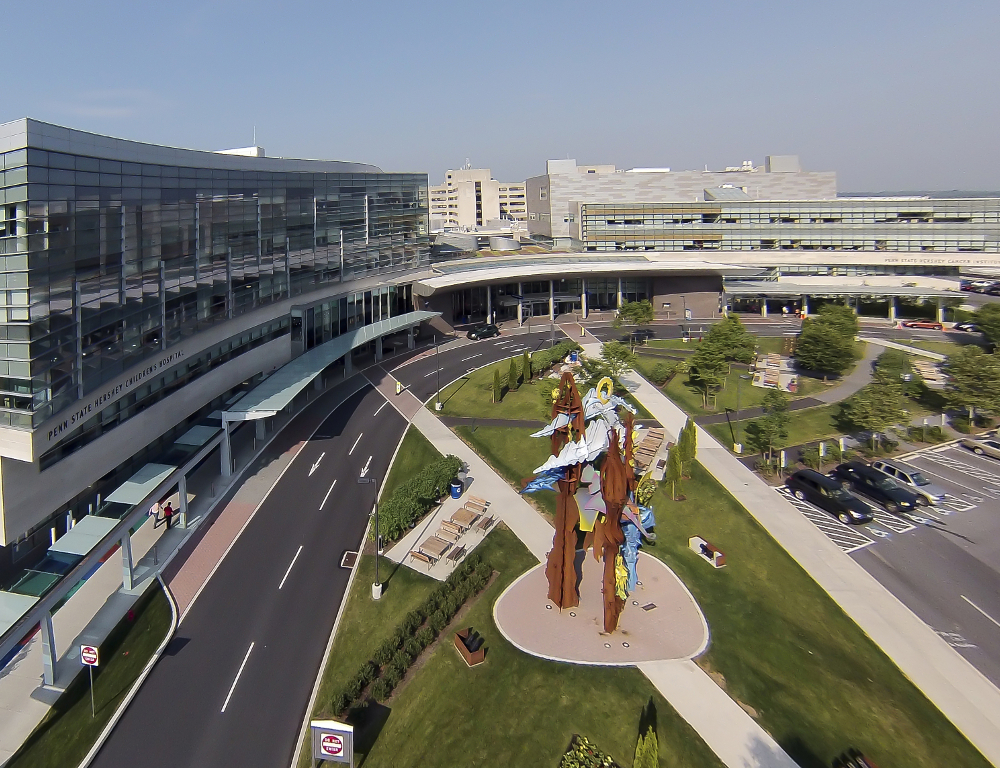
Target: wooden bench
(456,554)
(479,501)
(455,528)
(707,551)
(475,507)
(422,558)
(446,535)
(484,524)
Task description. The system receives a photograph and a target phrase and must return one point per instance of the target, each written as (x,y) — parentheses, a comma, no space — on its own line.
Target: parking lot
(942,561)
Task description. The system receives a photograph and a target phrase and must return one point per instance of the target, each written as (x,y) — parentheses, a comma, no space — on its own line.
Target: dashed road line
(233,687)
(980,610)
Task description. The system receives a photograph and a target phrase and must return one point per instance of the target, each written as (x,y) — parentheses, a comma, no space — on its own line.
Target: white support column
(48,650)
(892,308)
(940,310)
(763,308)
(520,305)
(411,338)
(226,451)
(805,306)
(489,304)
(583,297)
(378,348)
(182,495)
(127,573)
(619,293)
(348,365)
(552,300)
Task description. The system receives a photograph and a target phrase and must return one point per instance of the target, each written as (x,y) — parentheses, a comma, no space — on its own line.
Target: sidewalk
(960,691)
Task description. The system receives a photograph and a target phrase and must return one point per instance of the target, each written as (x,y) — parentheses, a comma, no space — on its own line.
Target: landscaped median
(69,730)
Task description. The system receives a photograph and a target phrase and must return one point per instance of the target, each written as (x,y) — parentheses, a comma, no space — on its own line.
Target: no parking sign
(332,741)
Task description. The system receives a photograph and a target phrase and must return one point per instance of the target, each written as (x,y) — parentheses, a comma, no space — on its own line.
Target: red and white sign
(331,744)
(88,655)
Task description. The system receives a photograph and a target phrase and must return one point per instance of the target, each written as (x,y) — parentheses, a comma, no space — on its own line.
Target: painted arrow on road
(316,465)
(364,470)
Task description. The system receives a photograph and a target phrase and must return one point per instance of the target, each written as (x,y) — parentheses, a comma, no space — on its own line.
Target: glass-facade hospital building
(144,288)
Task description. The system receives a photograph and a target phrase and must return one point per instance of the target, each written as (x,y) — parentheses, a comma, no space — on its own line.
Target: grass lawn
(806,425)
(816,681)
(943,347)
(514,454)
(688,397)
(513,710)
(415,453)
(68,731)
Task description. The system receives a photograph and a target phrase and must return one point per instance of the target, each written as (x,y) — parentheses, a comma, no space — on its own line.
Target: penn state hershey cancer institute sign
(87,410)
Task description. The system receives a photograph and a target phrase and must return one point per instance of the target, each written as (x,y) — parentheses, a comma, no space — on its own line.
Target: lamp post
(437,364)
(739,379)
(377,586)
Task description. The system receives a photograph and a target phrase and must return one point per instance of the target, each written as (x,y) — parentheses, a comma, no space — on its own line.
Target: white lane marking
(327,496)
(364,469)
(355,444)
(381,407)
(433,372)
(464,359)
(981,610)
(290,567)
(233,686)
(315,466)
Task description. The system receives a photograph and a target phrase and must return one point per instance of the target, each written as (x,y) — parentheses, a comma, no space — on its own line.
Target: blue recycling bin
(574,356)
(456,488)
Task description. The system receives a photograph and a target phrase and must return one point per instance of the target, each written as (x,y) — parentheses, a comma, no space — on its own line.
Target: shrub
(961,424)
(380,691)
(425,636)
(810,456)
(661,373)
(353,688)
(400,635)
(401,660)
(414,498)
(413,620)
(512,382)
(438,620)
(484,570)
(383,654)
(526,367)
(339,702)
(367,673)
(413,647)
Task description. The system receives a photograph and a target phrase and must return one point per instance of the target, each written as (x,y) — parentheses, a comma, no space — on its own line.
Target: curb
(103,737)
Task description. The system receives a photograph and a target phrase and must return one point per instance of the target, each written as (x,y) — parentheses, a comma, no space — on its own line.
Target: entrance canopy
(776,289)
(141,484)
(279,389)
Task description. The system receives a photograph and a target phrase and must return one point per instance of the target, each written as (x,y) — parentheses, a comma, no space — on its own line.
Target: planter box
(471,645)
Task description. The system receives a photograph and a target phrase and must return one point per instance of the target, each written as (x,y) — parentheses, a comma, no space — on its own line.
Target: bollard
(822,449)
(782,459)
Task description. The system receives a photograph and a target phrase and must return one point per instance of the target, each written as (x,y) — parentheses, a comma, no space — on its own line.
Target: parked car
(861,478)
(912,479)
(988,446)
(929,324)
(969,327)
(977,285)
(828,494)
(483,332)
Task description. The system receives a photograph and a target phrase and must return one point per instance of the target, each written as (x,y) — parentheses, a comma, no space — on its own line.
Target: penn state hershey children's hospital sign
(82,413)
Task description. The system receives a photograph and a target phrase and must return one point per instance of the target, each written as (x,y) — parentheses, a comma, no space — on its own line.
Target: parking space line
(893,523)
(847,538)
(967,469)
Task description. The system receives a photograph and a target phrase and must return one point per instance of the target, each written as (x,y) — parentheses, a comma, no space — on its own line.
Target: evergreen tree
(647,751)
(497,390)
(687,443)
(512,375)
(674,472)
(526,367)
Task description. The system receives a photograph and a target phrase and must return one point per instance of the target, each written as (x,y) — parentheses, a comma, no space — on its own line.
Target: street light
(437,364)
(738,380)
(377,586)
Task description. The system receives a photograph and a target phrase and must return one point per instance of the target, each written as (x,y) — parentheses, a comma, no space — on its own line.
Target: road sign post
(332,741)
(90,657)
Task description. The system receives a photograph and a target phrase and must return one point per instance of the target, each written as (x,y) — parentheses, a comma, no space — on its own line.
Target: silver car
(912,479)
(988,446)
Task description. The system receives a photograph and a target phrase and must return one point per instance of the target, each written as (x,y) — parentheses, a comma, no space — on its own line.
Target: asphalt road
(233,688)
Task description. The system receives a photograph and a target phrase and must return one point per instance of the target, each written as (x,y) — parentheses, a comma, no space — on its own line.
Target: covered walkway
(277,391)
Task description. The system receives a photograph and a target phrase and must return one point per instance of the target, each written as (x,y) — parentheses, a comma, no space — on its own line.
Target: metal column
(489,304)
(892,308)
(48,650)
(940,310)
(182,501)
(520,305)
(552,300)
(229,283)
(348,365)
(226,450)
(763,308)
(411,338)
(619,293)
(805,306)
(583,297)
(127,572)
(378,349)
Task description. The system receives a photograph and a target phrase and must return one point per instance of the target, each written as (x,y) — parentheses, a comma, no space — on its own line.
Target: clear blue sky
(892,95)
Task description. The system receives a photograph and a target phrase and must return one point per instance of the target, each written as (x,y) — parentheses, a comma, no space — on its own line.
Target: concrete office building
(471,198)
(143,287)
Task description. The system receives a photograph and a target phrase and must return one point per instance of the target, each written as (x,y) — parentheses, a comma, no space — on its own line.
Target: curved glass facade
(104,262)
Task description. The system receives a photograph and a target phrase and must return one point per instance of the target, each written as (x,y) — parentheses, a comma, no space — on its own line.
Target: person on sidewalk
(168,513)
(154,512)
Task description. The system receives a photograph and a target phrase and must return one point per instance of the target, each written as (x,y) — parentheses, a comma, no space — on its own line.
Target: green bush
(380,690)
(661,373)
(425,636)
(438,620)
(383,654)
(367,673)
(413,647)
(484,570)
(512,382)
(414,498)
(961,424)
(339,702)
(392,677)
(583,753)
(413,620)
(810,456)
(353,689)
(402,660)
(923,434)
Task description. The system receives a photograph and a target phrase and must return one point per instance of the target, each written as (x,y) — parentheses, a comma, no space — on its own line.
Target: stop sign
(88,655)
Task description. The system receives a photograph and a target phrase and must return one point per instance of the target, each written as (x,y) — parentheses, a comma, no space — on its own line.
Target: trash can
(456,488)
(574,356)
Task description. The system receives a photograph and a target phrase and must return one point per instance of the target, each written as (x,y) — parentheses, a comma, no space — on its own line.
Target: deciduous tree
(988,320)
(822,347)
(973,380)
(634,313)
(708,369)
(876,406)
(732,338)
(618,359)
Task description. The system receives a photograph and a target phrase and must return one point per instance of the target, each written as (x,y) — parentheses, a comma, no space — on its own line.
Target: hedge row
(543,359)
(414,498)
(390,661)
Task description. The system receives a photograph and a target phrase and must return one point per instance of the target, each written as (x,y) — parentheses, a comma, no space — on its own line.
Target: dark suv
(828,494)
(868,481)
(483,332)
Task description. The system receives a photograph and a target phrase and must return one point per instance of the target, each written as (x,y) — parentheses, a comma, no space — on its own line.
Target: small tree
(634,313)
(973,380)
(708,369)
(674,471)
(526,367)
(497,389)
(512,382)
(824,348)
(988,320)
(876,407)
(840,317)
(618,359)
(766,433)
(647,750)
(732,338)
(687,442)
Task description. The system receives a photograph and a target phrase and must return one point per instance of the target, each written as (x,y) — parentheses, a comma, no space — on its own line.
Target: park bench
(422,558)
(485,523)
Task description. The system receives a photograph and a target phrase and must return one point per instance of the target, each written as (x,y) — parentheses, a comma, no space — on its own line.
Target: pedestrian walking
(154,512)
(168,513)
